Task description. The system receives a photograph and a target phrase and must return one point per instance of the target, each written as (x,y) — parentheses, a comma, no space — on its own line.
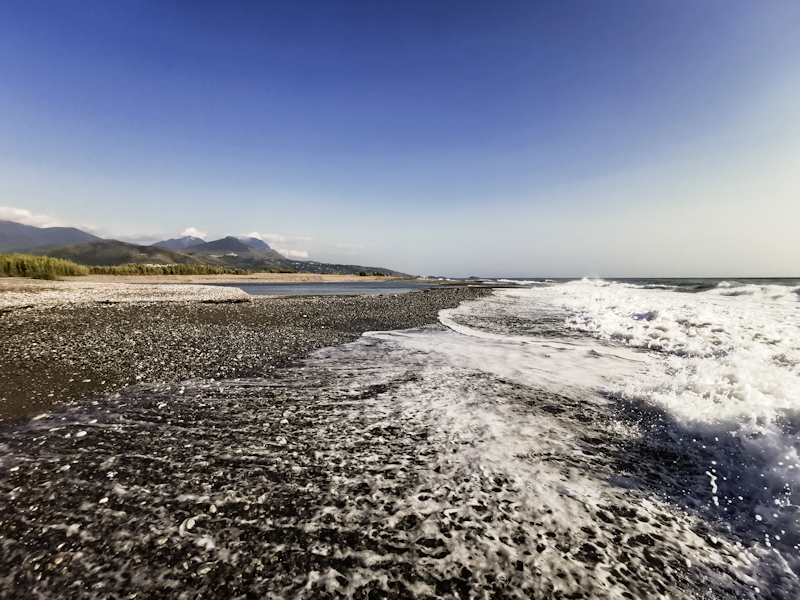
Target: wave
(719,382)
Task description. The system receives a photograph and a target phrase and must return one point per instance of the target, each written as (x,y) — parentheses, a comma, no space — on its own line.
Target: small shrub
(137,269)
(45,267)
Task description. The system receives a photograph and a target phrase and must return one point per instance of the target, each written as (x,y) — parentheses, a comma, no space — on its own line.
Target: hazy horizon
(510,140)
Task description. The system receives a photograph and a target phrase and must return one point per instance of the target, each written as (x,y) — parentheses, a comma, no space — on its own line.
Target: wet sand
(276,461)
(63,341)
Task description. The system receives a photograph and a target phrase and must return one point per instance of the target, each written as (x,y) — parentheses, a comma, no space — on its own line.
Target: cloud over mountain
(193,232)
(285,245)
(26,217)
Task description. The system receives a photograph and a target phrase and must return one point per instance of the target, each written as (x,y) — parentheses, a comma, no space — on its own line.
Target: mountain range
(180,243)
(16,237)
(234,248)
(189,241)
(230,252)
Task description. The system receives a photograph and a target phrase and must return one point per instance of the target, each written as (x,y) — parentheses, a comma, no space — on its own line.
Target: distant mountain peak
(226,244)
(17,237)
(186,241)
(255,243)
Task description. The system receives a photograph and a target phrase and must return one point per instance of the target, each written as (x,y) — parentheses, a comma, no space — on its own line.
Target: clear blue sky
(580,138)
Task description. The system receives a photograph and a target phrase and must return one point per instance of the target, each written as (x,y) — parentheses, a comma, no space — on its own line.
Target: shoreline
(11,285)
(68,342)
(467,462)
(19,292)
(252,278)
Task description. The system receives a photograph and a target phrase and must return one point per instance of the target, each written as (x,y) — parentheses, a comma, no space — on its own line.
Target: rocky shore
(94,487)
(66,341)
(270,462)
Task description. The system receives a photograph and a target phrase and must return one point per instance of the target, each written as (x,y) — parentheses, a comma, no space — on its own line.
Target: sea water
(591,438)
(711,377)
(331,288)
(646,434)
(583,439)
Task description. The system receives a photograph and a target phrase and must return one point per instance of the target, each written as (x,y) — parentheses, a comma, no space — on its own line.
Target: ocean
(587,438)
(594,438)
(577,439)
(690,391)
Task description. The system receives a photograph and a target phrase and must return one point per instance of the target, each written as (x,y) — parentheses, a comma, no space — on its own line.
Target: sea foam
(720,373)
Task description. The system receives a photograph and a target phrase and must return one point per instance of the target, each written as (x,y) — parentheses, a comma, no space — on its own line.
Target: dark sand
(333,475)
(56,355)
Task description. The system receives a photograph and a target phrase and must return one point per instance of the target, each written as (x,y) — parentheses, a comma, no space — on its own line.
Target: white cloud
(286,243)
(194,233)
(291,253)
(26,217)
(102,232)
(273,238)
(142,239)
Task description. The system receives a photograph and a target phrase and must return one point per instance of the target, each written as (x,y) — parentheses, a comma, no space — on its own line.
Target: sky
(508,139)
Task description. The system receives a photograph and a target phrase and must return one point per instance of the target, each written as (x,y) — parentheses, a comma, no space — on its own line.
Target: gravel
(172,489)
(41,294)
(367,470)
(98,341)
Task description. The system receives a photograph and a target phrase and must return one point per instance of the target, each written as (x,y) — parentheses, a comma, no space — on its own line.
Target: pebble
(16,292)
(84,350)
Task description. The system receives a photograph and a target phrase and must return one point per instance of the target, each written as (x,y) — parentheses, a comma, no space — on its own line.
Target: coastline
(68,341)
(252,278)
(391,465)
(18,292)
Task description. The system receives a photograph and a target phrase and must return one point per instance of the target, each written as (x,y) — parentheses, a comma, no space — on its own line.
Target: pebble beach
(76,352)
(449,443)
(68,340)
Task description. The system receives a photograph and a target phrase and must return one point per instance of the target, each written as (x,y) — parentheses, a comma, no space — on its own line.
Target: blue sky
(581,138)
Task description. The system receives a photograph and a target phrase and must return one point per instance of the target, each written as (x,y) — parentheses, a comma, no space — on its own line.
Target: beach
(251,278)
(89,283)
(453,443)
(67,340)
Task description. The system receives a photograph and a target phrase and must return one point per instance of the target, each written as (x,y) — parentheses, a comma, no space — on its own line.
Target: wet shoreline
(411,463)
(366,470)
(57,354)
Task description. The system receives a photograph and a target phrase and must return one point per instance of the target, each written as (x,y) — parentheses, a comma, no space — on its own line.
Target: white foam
(512,488)
(723,365)
(726,357)
(552,363)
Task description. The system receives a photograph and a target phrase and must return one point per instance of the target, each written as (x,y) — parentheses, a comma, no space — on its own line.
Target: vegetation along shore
(46,267)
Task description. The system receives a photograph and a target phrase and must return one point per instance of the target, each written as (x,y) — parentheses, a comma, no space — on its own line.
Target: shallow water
(580,440)
(719,383)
